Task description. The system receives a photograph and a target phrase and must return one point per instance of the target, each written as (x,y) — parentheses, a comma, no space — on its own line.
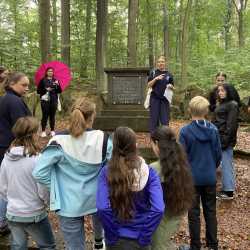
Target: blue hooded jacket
(201,142)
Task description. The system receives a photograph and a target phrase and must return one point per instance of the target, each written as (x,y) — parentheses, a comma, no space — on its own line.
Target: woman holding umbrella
(49,88)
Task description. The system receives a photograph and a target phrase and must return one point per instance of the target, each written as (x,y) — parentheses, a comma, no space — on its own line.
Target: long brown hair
(121,172)
(24,131)
(177,184)
(82,110)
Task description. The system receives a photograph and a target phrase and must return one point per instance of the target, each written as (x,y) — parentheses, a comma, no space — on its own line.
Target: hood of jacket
(141,176)
(203,130)
(15,153)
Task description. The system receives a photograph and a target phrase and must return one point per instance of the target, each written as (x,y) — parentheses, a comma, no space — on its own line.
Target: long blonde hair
(82,110)
(24,131)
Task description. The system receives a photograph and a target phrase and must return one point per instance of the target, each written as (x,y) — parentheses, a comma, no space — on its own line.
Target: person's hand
(248,109)
(170,86)
(160,77)
(56,82)
(49,89)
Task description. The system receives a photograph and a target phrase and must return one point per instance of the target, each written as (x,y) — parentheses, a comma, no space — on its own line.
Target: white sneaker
(52,133)
(43,134)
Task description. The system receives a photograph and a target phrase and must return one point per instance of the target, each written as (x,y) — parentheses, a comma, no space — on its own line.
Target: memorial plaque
(126,90)
(126,86)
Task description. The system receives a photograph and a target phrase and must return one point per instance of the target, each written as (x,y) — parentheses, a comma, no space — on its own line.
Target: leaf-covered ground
(233,216)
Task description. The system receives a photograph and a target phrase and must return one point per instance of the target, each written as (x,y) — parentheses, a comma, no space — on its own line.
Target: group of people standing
(84,171)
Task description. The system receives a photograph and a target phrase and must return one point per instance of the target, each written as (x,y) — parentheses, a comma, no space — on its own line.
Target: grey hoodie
(26,198)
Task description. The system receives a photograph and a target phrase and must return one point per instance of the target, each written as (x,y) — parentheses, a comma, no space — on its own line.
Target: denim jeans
(41,233)
(3,203)
(3,209)
(73,231)
(207,194)
(227,167)
(125,244)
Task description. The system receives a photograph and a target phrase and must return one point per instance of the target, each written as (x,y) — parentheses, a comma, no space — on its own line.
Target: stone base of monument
(131,116)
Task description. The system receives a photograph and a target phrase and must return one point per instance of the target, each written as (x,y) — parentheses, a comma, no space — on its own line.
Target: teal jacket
(69,167)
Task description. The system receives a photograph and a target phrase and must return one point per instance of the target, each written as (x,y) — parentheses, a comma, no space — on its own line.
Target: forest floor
(233,216)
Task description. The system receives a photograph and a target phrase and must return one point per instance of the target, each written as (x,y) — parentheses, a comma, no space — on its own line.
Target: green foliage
(19,43)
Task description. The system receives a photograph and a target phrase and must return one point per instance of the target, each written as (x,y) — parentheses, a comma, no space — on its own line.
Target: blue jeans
(40,232)
(3,209)
(73,231)
(227,167)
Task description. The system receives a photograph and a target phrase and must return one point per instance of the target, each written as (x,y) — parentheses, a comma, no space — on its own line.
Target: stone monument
(124,100)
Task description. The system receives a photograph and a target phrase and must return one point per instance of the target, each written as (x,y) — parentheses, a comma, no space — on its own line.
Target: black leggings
(48,111)
(125,244)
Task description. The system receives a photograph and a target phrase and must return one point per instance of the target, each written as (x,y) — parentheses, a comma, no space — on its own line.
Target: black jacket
(213,97)
(226,120)
(53,94)
(12,107)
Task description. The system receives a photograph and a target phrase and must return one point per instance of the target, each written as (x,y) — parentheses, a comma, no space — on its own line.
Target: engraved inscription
(126,90)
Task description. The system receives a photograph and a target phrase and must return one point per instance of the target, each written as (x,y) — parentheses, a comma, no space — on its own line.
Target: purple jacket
(149,209)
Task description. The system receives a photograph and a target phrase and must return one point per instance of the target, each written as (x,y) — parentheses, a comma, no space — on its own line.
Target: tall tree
(101,38)
(184,43)
(165,30)
(54,30)
(65,31)
(228,23)
(132,27)
(87,33)
(44,20)
(240,6)
(150,34)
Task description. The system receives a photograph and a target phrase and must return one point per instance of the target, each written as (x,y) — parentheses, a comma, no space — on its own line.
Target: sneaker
(43,134)
(52,133)
(99,245)
(4,230)
(224,196)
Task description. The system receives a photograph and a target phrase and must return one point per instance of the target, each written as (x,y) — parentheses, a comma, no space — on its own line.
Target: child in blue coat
(201,142)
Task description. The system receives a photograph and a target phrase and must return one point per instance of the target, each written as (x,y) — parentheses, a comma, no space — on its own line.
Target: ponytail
(82,111)
(77,123)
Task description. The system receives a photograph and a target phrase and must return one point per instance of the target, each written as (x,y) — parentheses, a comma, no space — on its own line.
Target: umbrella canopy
(61,73)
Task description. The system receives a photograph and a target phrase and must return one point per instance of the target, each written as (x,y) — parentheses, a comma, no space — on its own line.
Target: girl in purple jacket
(129,197)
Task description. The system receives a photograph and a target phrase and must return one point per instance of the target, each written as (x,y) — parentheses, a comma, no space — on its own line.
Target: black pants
(207,195)
(48,111)
(127,244)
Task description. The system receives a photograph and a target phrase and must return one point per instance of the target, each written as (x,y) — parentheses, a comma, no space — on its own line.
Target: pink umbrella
(61,73)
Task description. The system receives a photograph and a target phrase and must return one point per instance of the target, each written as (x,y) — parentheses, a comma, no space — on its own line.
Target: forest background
(199,37)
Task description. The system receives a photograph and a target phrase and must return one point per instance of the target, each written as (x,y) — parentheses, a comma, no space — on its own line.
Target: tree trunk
(240,30)
(84,66)
(132,26)
(227,24)
(150,35)
(65,31)
(184,44)
(44,20)
(101,37)
(240,9)
(165,30)
(54,30)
